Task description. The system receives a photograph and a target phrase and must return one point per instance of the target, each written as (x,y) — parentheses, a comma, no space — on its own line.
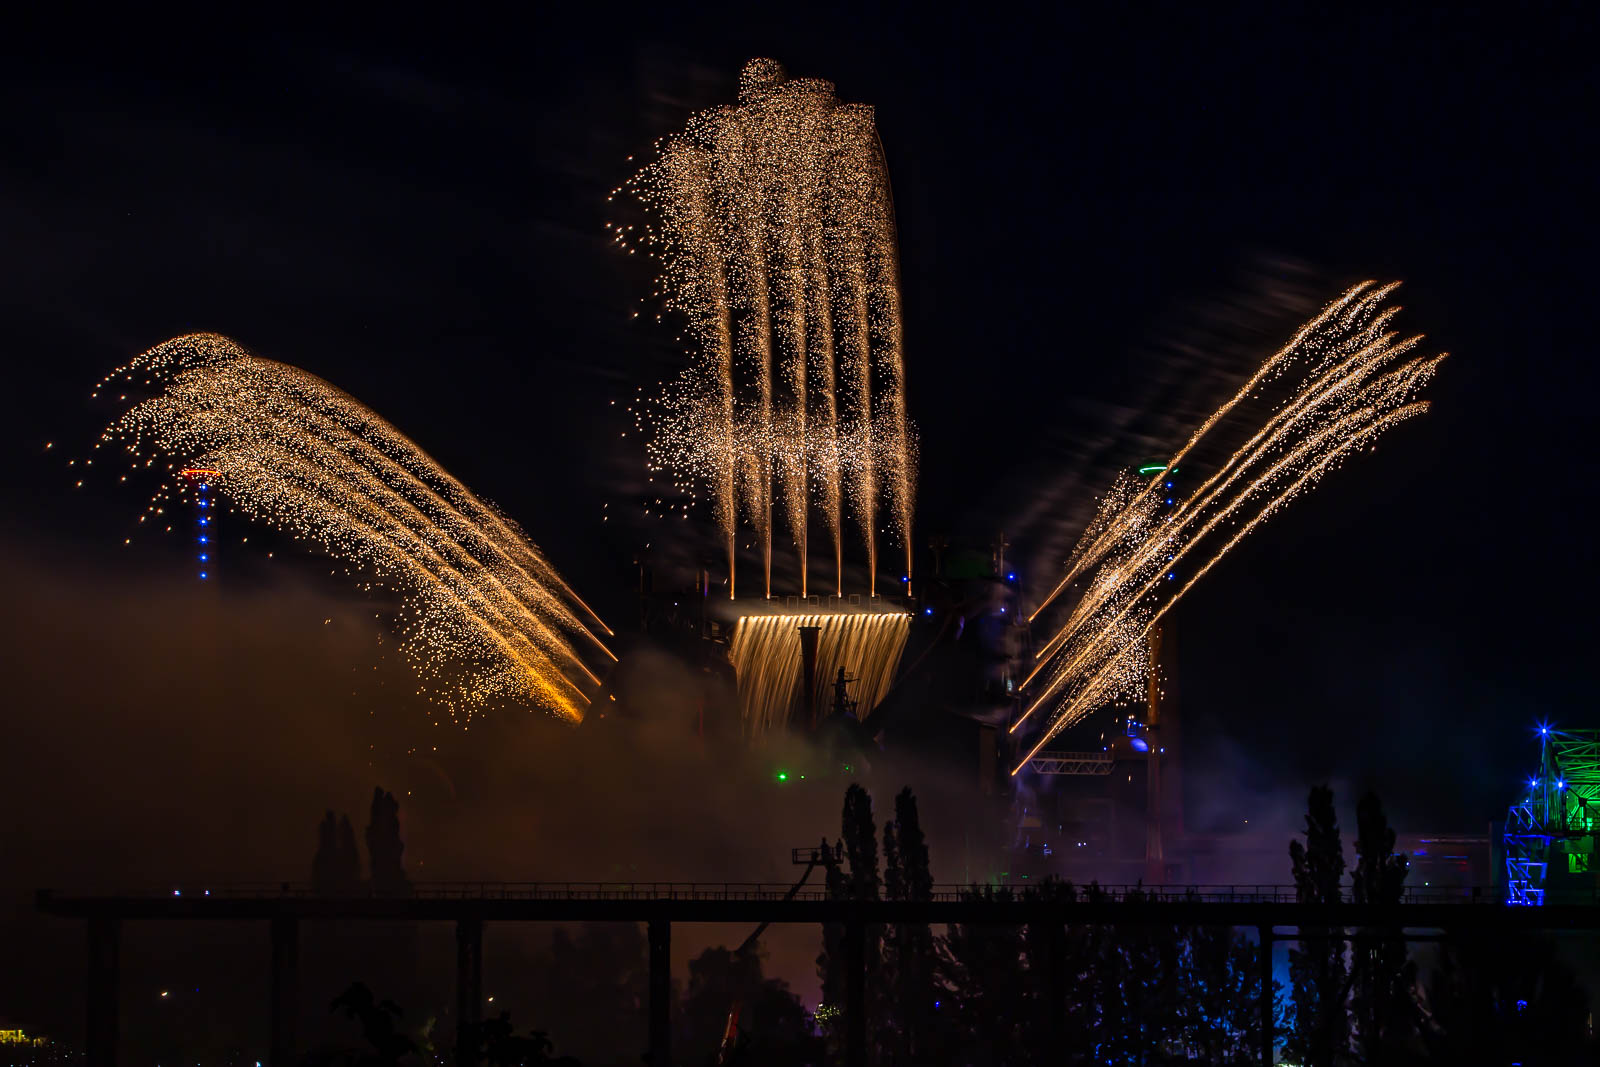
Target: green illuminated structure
(1550,832)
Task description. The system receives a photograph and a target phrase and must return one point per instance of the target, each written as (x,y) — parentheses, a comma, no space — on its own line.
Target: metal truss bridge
(1424,915)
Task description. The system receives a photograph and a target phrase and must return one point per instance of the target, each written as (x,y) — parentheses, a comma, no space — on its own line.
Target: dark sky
(415,212)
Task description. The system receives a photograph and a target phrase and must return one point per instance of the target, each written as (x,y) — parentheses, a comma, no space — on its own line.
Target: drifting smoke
(1344,381)
(777,237)
(486,619)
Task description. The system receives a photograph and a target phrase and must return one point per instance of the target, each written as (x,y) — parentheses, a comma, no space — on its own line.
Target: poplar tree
(1317,970)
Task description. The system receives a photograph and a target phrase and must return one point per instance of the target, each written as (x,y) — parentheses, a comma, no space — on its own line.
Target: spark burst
(1347,377)
(777,238)
(486,619)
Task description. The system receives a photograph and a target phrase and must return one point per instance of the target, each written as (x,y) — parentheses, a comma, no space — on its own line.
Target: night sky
(1103,225)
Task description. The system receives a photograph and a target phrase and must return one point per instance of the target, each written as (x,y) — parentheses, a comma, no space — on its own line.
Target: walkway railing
(759,891)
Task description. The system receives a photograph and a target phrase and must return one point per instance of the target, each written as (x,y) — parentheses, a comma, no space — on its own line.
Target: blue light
(202,539)
(203,557)
(1170,576)
(905,578)
(1169,500)
(204,503)
(204,487)
(1560,784)
(1011,577)
(927,611)
(202,574)
(204,521)
(1002,609)
(1139,744)
(1169,485)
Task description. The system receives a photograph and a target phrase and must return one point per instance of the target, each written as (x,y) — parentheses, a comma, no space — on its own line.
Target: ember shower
(775,228)
(487,619)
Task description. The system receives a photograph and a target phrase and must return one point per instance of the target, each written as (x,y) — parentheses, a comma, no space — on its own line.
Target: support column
(660,937)
(285,994)
(855,993)
(469,989)
(1266,995)
(102,1002)
(1058,985)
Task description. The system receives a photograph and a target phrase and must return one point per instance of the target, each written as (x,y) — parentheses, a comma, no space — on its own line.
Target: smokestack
(1164,803)
(808,673)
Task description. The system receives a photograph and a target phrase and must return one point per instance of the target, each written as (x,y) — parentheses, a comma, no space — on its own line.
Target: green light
(783,776)
(1156,468)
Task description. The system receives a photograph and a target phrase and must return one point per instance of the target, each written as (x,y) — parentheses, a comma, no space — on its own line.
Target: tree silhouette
(322,864)
(860,882)
(499,1045)
(1496,999)
(1219,989)
(981,965)
(1383,999)
(1317,971)
(909,957)
(592,983)
(385,848)
(336,868)
(379,1022)
(774,1026)
(830,962)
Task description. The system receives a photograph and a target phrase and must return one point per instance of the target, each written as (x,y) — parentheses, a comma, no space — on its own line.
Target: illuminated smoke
(486,620)
(766,662)
(775,229)
(1345,377)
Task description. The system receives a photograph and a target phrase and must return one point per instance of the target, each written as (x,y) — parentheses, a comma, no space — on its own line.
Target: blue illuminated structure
(1550,832)
(200,478)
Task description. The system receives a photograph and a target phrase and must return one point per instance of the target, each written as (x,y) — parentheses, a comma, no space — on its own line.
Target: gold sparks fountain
(774,225)
(769,660)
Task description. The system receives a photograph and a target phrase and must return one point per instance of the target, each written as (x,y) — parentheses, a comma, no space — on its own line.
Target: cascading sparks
(1346,377)
(486,619)
(777,237)
(767,663)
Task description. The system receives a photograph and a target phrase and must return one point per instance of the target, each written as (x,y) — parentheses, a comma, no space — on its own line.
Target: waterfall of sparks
(1345,377)
(486,619)
(767,664)
(777,240)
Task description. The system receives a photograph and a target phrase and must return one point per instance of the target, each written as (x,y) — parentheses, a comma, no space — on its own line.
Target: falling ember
(777,239)
(487,619)
(1347,377)
(767,663)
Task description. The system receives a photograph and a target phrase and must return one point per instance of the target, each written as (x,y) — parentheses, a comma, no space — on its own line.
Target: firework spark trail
(1100,594)
(777,241)
(295,453)
(1089,552)
(1355,380)
(1373,348)
(1097,687)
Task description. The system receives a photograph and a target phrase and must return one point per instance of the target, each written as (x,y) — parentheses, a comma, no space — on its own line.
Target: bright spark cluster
(486,620)
(774,224)
(1345,376)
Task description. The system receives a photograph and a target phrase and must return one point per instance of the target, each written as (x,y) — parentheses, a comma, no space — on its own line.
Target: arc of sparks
(1356,379)
(303,457)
